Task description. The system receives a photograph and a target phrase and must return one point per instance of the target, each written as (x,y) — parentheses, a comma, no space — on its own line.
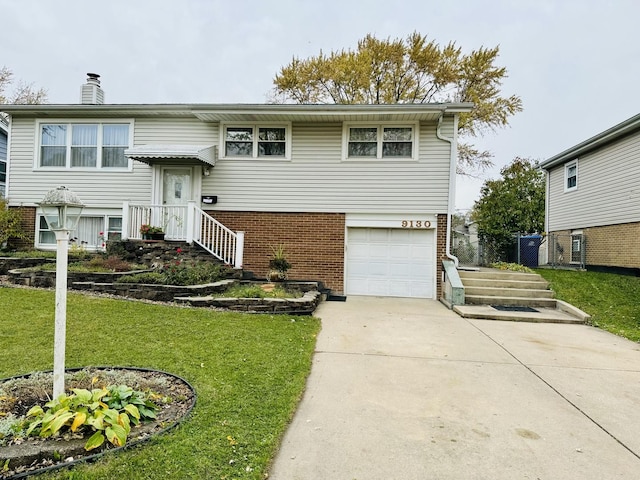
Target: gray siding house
(593,199)
(360,195)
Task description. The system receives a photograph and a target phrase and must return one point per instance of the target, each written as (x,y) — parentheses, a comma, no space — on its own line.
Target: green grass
(611,300)
(256,291)
(248,370)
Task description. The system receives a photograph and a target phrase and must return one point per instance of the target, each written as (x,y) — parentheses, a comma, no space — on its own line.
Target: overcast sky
(574,63)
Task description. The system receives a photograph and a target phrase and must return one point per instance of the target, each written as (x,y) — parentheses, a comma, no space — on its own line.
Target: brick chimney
(91,93)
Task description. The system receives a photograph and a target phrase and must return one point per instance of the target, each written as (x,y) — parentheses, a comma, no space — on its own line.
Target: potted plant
(150,232)
(278,264)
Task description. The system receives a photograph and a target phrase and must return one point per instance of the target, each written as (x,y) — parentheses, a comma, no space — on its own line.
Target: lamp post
(61,209)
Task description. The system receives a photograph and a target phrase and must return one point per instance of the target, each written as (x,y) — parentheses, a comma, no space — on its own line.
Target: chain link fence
(553,250)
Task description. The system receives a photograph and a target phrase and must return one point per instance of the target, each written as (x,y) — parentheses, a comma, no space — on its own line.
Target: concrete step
(508,292)
(489,282)
(498,275)
(523,301)
(543,315)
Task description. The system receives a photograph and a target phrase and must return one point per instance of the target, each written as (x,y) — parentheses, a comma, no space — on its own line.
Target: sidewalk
(405,389)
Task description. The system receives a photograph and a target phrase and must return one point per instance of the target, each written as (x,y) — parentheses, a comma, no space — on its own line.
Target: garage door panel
(390,262)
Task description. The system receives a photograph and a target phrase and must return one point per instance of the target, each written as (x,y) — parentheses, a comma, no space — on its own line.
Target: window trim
(567,166)
(576,235)
(256,126)
(415,131)
(68,144)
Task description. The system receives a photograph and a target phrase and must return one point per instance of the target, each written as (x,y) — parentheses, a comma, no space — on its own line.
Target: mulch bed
(21,457)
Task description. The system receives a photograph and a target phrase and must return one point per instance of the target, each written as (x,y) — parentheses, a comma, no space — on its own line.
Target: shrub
(10,219)
(192,273)
(154,278)
(515,267)
(113,263)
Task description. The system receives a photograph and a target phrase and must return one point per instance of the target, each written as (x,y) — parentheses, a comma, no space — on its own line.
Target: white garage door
(390,262)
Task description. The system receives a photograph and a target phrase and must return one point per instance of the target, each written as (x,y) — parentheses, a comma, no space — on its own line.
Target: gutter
(452,181)
(622,129)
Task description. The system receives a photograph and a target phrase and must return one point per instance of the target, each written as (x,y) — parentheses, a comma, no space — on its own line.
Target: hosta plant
(107,412)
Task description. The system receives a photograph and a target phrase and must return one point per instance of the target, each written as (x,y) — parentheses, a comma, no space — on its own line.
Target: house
(3,156)
(593,201)
(359,195)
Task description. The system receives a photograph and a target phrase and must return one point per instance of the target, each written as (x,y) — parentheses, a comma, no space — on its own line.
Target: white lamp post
(61,208)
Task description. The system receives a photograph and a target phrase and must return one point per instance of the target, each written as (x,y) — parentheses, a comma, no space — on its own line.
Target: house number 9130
(416,224)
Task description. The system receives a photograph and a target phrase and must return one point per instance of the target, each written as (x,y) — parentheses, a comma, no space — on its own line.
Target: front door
(176,192)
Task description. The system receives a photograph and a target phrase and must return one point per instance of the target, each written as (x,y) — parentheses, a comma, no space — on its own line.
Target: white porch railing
(188,224)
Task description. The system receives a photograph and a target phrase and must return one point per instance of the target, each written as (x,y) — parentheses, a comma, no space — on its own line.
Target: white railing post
(191,220)
(239,249)
(124,235)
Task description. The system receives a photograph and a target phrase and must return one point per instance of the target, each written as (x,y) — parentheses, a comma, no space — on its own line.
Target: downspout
(452,180)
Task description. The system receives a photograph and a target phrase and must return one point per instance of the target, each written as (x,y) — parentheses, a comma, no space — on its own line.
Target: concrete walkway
(406,389)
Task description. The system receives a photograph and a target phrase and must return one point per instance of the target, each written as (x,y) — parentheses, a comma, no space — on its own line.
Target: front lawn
(249,372)
(611,300)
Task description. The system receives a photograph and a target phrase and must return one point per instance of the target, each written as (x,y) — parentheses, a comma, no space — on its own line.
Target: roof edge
(321,109)
(624,128)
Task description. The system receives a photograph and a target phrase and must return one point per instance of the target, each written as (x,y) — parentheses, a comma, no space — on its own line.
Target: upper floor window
(571,176)
(256,141)
(84,145)
(380,141)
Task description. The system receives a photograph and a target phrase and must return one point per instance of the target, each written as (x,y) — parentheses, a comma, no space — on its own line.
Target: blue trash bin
(529,246)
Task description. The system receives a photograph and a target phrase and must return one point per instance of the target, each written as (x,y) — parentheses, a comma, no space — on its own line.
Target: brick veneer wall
(610,245)
(441,251)
(314,243)
(614,245)
(28,225)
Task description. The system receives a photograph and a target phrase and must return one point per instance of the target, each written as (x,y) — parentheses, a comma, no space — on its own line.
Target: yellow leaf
(78,421)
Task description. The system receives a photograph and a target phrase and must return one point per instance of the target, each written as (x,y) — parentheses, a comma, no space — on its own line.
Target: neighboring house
(359,194)
(593,200)
(3,156)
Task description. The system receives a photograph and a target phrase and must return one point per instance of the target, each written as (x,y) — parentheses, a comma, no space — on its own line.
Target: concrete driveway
(405,389)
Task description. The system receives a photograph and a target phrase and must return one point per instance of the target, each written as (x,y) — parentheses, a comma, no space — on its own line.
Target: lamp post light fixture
(61,209)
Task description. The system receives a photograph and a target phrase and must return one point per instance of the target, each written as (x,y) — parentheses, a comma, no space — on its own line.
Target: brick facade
(314,243)
(28,225)
(441,251)
(610,245)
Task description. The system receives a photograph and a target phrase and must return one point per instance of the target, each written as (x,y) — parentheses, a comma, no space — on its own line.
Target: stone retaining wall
(204,296)
(304,305)
(12,263)
(47,279)
(158,293)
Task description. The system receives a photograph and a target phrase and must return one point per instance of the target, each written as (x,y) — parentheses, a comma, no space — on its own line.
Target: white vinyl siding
(318,180)
(608,191)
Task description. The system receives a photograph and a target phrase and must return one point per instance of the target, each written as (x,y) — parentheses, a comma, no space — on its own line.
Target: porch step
(509,300)
(503,283)
(508,292)
(486,288)
(543,315)
(499,275)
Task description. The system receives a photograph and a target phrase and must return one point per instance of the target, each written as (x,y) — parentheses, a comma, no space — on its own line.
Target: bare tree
(24,93)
